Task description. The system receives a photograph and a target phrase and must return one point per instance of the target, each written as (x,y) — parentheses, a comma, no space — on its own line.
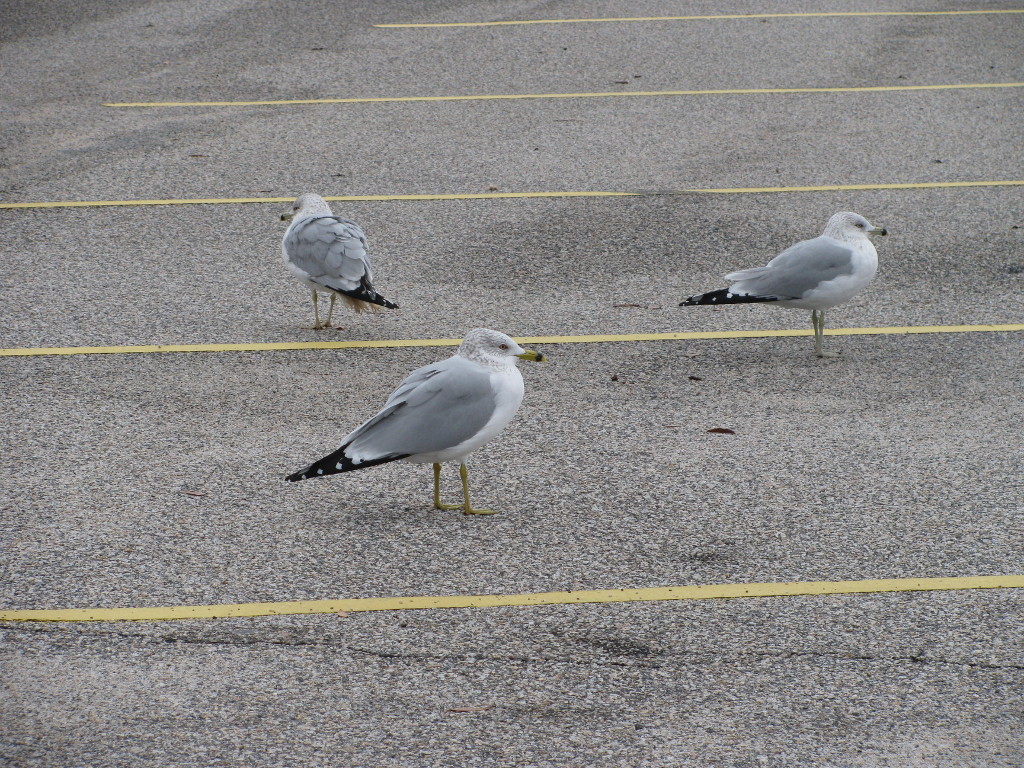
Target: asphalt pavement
(135,479)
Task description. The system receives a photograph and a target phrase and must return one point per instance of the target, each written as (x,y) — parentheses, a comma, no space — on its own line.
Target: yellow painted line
(653,594)
(337,198)
(582,95)
(254,347)
(508,195)
(715,17)
(584,339)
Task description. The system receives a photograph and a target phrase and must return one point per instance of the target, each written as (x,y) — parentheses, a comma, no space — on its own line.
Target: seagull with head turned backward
(441,412)
(328,253)
(813,274)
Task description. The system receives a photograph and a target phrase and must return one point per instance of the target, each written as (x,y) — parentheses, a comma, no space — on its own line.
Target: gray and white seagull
(441,412)
(328,253)
(813,274)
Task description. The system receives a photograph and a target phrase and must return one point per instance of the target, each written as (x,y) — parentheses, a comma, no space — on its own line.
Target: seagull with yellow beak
(814,274)
(441,412)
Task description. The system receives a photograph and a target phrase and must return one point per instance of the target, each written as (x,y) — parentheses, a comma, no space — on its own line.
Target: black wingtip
(724,296)
(711,297)
(370,296)
(337,462)
(367,292)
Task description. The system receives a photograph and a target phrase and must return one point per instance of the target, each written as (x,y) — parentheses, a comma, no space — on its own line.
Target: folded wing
(332,252)
(437,407)
(797,270)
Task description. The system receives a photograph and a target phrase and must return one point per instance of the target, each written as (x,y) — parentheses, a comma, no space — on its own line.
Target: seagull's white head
(846,226)
(494,349)
(307,204)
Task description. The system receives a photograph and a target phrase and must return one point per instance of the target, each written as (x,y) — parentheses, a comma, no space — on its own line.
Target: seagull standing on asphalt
(441,412)
(328,253)
(813,274)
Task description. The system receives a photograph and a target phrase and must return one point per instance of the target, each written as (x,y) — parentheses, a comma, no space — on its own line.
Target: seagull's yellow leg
(467,508)
(818,321)
(330,311)
(316,314)
(437,491)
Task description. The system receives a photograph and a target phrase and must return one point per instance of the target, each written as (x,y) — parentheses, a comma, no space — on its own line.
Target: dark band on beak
(532,355)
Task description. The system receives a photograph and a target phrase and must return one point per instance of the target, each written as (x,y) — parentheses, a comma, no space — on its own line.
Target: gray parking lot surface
(134,480)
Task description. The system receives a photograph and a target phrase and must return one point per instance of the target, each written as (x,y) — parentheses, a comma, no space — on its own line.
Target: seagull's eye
(503,346)
(859,225)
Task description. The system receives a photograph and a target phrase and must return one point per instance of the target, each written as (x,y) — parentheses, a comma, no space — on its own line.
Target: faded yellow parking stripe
(581,95)
(707,17)
(653,594)
(583,339)
(509,195)
(329,198)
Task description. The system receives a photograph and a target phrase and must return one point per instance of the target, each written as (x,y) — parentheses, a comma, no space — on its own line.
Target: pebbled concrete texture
(157,479)
(701,684)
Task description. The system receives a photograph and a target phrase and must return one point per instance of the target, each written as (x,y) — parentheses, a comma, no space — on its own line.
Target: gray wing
(797,270)
(331,250)
(436,407)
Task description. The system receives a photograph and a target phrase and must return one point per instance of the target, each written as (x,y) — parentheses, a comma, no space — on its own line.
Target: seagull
(328,253)
(441,412)
(813,274)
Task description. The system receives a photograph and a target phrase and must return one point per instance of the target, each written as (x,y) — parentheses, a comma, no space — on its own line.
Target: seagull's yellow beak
(287,216)
(878,231)
(533,357)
